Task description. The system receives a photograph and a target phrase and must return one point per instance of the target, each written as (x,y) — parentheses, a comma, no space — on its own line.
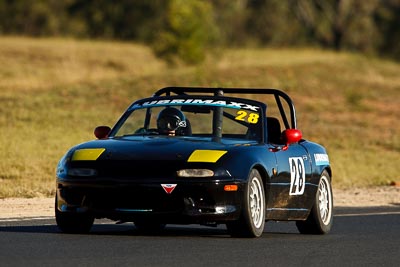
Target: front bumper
(189,202)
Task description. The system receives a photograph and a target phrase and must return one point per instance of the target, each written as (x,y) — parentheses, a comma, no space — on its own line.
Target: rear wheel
(73,223)
(252,221)
(320,219)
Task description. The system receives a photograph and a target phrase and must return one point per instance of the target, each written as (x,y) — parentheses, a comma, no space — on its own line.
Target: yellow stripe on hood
(88,153)
(206,155)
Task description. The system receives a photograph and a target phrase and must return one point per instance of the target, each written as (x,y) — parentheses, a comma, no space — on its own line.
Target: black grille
(130,198)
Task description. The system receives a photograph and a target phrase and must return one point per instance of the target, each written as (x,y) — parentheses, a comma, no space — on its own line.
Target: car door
(289,186)
(292,174)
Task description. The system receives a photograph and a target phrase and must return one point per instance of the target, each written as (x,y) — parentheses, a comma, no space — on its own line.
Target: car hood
(155,148)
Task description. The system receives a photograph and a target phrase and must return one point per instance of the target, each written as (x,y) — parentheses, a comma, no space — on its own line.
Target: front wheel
(73,223)
(320,219)
(252,220)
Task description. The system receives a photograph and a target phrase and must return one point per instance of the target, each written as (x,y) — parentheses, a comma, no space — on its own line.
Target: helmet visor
(169,123)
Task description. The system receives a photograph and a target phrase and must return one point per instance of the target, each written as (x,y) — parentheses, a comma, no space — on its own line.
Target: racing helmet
(170,119)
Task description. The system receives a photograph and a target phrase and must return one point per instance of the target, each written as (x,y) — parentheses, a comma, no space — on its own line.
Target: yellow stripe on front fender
(88,153)
(206,155)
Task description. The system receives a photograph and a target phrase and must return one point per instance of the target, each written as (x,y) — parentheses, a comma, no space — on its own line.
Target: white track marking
(368,214)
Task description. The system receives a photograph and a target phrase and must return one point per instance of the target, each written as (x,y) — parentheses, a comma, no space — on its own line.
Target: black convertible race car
(197,155)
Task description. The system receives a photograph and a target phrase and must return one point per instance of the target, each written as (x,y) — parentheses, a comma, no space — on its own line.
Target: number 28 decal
(242,115)
(297,176)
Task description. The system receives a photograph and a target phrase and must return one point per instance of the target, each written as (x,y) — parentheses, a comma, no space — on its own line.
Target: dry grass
(53,92)
(46,63)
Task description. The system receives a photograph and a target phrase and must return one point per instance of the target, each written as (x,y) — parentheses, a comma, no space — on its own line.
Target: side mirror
(101,132)
(290,136)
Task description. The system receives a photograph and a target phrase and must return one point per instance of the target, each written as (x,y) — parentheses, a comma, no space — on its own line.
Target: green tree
(35,18)
(272,22)
(387,17)
(230,18)
(188,32)
(339,24)
(124,19)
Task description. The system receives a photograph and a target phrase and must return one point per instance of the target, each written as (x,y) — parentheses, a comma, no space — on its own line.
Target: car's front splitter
(181,202)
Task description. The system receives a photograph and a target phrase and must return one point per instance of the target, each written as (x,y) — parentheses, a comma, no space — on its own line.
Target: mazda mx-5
(206,156)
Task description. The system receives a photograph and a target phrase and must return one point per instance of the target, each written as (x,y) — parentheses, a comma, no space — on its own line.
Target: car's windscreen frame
(202,104)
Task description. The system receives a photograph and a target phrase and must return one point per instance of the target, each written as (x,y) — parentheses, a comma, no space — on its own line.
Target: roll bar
(217,91)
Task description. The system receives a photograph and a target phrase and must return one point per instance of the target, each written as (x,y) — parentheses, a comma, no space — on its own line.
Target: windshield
(192,118)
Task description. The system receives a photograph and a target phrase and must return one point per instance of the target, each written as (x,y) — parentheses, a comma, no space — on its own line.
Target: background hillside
(186,29)
(53,92)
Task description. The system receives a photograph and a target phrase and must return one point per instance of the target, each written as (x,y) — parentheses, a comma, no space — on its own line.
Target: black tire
(252,220)
(73,223)
(320,219)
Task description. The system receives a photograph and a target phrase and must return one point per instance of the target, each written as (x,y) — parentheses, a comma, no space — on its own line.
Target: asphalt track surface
(360,237)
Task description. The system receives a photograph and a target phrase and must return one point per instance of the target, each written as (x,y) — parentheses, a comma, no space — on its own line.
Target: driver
(170,121)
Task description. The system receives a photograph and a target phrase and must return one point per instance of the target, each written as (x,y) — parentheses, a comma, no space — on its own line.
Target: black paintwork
(129,174)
